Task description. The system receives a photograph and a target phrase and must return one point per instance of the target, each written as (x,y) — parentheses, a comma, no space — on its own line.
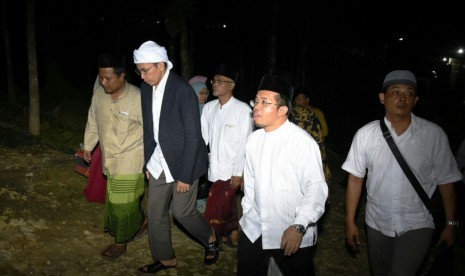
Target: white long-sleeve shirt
(284,184)
(157,162)
(225,129)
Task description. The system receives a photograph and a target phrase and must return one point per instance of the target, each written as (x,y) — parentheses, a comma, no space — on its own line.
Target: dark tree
(34,103)
(9,64)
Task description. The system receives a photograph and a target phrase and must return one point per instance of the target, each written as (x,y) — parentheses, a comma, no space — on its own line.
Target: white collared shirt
(393,206)
(284,184)
(225,129)
(157,162)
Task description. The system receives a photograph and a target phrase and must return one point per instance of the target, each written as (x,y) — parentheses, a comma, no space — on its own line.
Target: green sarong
(123,211)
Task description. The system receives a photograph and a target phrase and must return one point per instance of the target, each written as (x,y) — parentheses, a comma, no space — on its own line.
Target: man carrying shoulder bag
(399,224)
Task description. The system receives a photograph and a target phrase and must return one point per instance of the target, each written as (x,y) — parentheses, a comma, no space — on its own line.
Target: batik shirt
(306,119)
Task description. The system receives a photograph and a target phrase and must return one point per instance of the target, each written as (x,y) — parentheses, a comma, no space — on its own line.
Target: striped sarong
(123,210)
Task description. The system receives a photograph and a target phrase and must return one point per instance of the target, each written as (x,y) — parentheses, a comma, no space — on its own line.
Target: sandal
(154,267)
(114,251)
(212,250)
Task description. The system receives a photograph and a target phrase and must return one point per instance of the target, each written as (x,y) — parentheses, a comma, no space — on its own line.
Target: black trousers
(253,260)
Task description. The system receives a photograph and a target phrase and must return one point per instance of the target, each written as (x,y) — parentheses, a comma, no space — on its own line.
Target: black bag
(437,211)
(204,187)
(444,257)
(427,201)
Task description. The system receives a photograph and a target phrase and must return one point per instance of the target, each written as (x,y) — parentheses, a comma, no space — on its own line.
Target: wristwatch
(453,223)
(300,228)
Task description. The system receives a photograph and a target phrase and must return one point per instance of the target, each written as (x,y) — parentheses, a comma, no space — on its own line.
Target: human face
(151,73)
(399,100)
(222,86)
(110,82)
(301,100)
(203,95)
(268,116)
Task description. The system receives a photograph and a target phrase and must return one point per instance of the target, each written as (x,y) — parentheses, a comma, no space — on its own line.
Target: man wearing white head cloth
(175,157)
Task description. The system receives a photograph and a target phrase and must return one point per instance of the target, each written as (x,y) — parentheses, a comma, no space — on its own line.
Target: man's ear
(283,110)
(381,97)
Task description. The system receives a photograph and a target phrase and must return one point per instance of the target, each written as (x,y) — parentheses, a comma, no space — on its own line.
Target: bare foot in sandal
(143,229)
(114,251)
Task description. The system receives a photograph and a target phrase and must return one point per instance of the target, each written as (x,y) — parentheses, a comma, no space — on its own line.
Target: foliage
(63,118)
(64,111)
(63,127)
(176,14)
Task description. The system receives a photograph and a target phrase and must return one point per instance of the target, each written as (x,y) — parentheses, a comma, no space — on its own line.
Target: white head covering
(151,52)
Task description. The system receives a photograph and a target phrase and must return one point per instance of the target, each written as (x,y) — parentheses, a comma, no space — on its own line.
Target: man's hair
(282,100)
(115,61)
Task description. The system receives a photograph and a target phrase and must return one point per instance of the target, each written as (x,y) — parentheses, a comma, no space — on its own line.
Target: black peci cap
(111,61)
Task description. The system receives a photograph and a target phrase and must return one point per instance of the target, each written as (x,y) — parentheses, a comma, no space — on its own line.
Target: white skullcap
(151,52)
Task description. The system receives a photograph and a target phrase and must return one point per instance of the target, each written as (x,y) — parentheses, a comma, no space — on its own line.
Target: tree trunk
(184,48)
(302,68)
(171,49)
(178,13)
(9,65)
(34,103)
(273,33)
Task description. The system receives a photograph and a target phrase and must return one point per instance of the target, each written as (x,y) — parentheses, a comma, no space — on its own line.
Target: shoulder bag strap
(405,167)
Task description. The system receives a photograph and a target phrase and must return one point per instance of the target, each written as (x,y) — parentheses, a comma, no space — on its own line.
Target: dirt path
(48,228)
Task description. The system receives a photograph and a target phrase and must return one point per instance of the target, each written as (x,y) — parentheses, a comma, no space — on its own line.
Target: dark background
(349,46)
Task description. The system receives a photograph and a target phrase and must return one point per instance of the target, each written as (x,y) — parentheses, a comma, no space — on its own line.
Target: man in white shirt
(284,188)
(399,226)
(226,124)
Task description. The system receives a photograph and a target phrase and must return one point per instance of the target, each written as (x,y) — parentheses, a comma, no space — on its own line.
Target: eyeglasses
(219,82)
(144,71)
(254,103)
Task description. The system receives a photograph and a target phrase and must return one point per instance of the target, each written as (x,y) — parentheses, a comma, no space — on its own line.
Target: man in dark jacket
(175,156)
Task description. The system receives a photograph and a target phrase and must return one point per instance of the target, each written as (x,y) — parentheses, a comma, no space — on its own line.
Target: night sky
(349,46)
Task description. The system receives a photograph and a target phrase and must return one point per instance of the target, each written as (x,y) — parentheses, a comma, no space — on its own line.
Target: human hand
(236,181)
(291,240)
(352,235)
(182,187)
(87,155)
(447,236)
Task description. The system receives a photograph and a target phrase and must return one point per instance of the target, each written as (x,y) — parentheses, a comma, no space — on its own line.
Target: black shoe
(213,249)
(154,268)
